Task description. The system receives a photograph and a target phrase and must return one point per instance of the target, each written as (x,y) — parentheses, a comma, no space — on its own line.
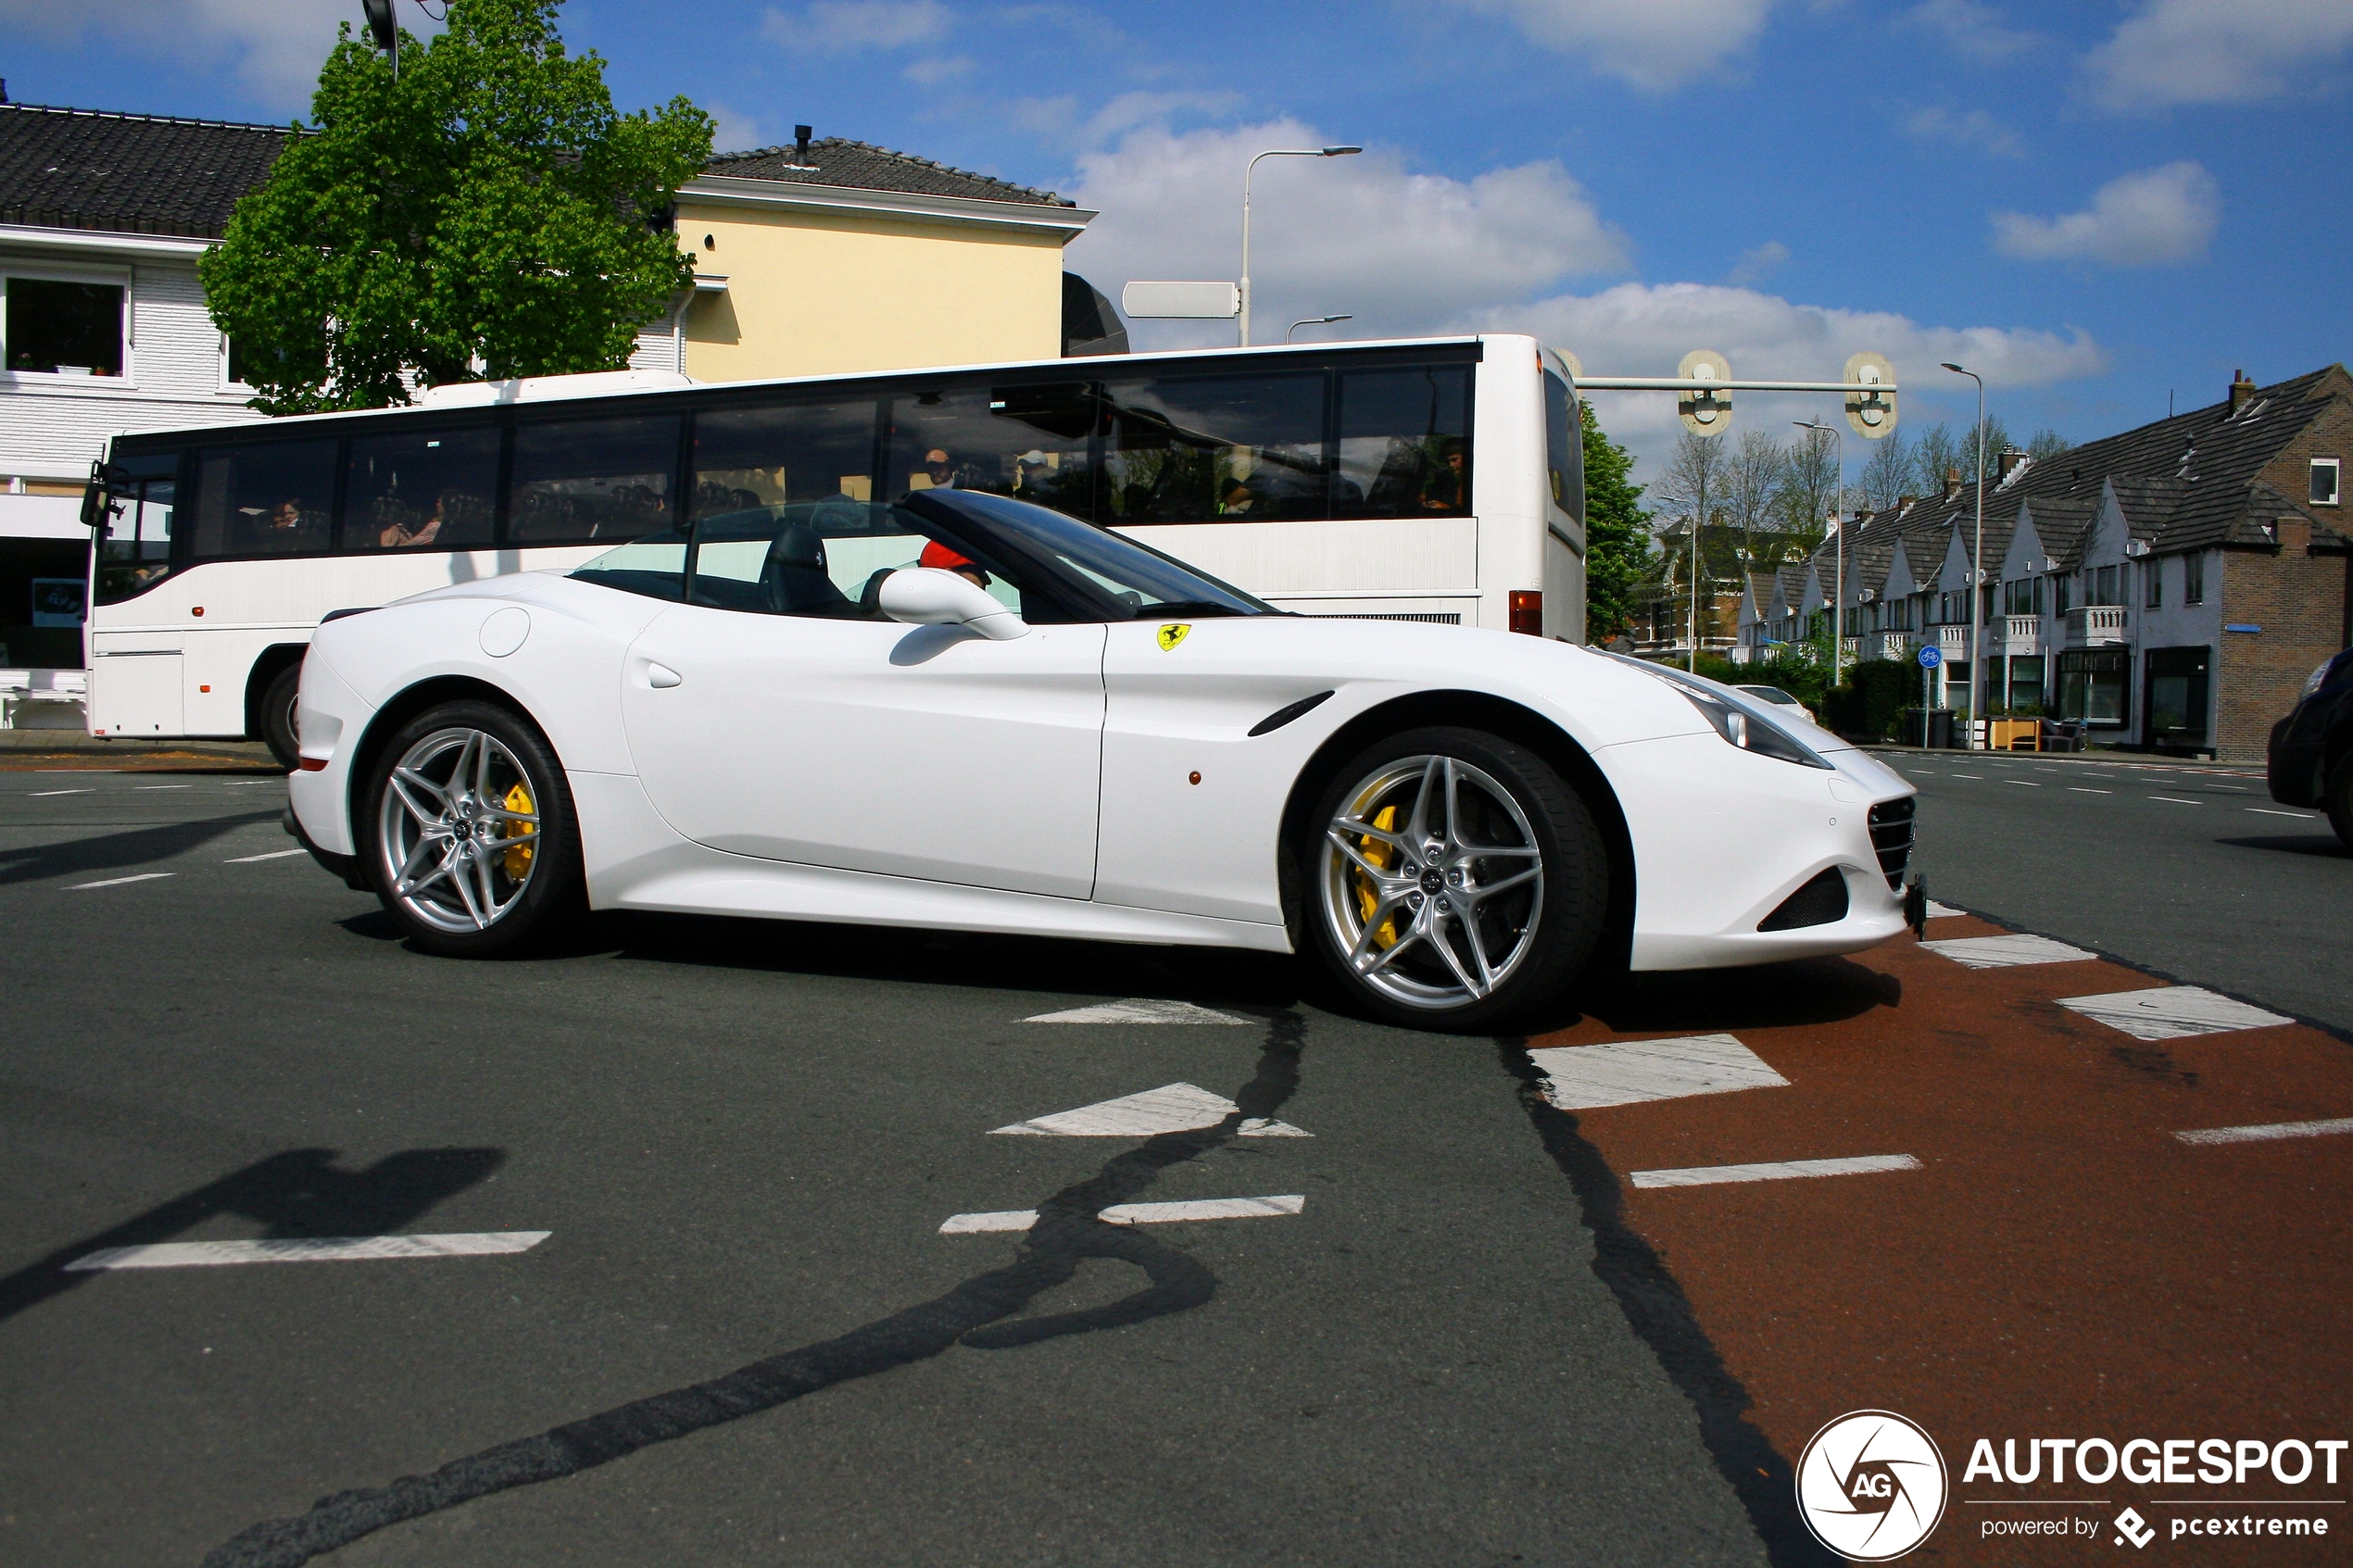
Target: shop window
(67,329)
(2177,694)
(2092,685)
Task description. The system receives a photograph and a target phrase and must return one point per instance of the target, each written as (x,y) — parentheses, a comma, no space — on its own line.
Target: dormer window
(2324,480)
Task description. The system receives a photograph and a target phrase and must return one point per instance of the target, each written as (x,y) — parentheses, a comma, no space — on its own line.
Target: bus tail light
(1527,611)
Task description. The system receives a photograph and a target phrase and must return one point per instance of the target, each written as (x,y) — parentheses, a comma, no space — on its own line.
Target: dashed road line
(1172,1107)
(120,881)
(2023,784)
(2268,811)
(137,788)
(1634,1072)
(37,794)
(2175,800)
(309,1250)
(1137,1213)
(2266,1132)
(273,855)
(2011,951)
(2171,1012)
(1776,1170)
(1980,777)
(2081,789)
(1136,1009)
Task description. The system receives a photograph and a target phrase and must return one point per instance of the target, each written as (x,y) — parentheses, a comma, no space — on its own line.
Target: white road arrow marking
(309,1250)
(1136,1009)
(1137,1213)
(1172,1107)
(1629,1072)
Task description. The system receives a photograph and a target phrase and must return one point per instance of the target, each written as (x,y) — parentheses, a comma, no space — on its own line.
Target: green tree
(1617,535)
(486,214)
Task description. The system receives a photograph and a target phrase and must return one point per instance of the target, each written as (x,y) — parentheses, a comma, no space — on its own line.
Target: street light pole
(1976,558)
(1315,322)
(1838,530)
(1249,170)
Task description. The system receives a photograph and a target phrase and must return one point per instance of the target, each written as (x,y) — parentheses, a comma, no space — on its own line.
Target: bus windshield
(134,538)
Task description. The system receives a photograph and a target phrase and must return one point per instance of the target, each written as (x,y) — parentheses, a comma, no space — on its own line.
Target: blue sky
(2097,203)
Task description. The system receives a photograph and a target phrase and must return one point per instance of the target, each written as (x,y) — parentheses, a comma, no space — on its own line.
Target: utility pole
(1976,560)
(1251,169)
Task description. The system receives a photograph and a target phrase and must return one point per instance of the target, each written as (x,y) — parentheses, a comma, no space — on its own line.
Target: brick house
(2171,586)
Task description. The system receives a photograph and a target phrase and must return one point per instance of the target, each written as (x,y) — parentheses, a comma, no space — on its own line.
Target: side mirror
(925,596)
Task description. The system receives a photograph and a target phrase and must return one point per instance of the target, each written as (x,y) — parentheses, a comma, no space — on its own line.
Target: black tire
(547,895)
(1545,938)
(2338,797)
(278,726)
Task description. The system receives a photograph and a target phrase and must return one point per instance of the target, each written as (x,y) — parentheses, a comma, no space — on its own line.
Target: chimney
(4,89)
(2242,392)
(1906,503)
(1952,482)
(800,145)
(2009,460)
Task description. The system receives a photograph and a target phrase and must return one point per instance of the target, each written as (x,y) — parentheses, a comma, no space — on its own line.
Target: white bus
(1437,480)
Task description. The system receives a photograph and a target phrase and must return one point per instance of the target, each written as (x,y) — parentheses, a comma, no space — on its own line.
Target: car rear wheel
(2339,798)
(474,846)
(278,724)
(1459,882)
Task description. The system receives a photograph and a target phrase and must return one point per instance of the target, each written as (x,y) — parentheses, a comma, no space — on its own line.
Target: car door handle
(661,677)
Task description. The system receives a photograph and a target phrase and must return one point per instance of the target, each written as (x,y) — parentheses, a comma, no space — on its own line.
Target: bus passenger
(398,537)
(1448,488)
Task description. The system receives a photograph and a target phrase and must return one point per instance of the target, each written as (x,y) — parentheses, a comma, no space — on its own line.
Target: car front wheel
(475,847)
(1459,882)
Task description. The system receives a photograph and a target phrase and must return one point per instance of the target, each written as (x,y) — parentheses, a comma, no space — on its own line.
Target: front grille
(1892,836)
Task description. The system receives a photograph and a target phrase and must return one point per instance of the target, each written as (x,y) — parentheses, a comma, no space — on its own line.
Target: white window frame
(71,272)
(2336,468)
(240,388)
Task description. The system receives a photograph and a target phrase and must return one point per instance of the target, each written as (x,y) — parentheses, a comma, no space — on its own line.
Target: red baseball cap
(938,555)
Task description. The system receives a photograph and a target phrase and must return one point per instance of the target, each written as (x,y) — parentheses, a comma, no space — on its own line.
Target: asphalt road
(745,1338)
(2194,872)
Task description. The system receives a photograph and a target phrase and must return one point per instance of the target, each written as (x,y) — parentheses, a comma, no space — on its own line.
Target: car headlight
(2312,683)
(1738,725)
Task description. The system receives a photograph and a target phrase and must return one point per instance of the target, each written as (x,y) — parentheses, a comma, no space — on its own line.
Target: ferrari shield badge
(1171,635)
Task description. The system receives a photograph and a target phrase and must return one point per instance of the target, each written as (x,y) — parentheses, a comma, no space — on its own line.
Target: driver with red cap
(939,556)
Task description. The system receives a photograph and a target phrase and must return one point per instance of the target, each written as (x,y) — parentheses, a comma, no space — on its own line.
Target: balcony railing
(2091,626)
(2021,634)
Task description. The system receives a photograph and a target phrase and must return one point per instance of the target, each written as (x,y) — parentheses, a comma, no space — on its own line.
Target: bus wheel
(1460,883)
(278,726)
(472,842)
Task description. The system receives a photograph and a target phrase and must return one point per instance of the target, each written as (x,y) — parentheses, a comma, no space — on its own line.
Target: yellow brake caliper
(517,859)
(1368,896)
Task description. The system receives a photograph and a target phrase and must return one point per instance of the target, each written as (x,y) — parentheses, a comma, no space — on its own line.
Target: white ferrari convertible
(965,712)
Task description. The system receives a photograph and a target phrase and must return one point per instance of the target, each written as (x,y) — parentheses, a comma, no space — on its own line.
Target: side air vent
(1282,716)
(1892,837)
(1821,902)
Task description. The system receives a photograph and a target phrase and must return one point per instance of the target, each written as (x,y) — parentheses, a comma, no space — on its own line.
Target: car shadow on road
(1258,983)
(2321,846)
(300,1192)
(116,851)
(1717,1000)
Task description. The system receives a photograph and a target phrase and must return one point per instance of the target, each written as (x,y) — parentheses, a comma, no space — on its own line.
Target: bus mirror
(105,482)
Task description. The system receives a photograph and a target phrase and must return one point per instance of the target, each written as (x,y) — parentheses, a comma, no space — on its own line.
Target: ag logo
(1171,635)
(1871,1485)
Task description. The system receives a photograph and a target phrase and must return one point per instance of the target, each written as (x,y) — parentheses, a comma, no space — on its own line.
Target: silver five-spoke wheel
(1432,882)
(460,831)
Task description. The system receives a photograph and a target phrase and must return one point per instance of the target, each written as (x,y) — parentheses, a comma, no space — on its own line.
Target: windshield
(1115,577)
(1771,693)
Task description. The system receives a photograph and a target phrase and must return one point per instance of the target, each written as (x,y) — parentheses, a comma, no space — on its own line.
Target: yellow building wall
(816,293)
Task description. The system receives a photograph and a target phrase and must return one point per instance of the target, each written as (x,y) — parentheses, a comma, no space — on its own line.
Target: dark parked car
(2311,760)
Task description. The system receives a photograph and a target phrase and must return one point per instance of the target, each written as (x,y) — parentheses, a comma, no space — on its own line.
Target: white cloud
(834,26)
(2219,50)
(273,47)
(1643,329)
(1970,26)
(2144,220)
(1974,129)
(933,70)
(1757,265)
(1400,251)
(731,132)
(1649,43)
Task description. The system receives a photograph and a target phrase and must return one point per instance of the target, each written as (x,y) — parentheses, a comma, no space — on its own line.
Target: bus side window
(1564,448)
(778,454)
(1026,442)
(1214,448)
(1405,442)
(580,481)
(267,498)
(427,489)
